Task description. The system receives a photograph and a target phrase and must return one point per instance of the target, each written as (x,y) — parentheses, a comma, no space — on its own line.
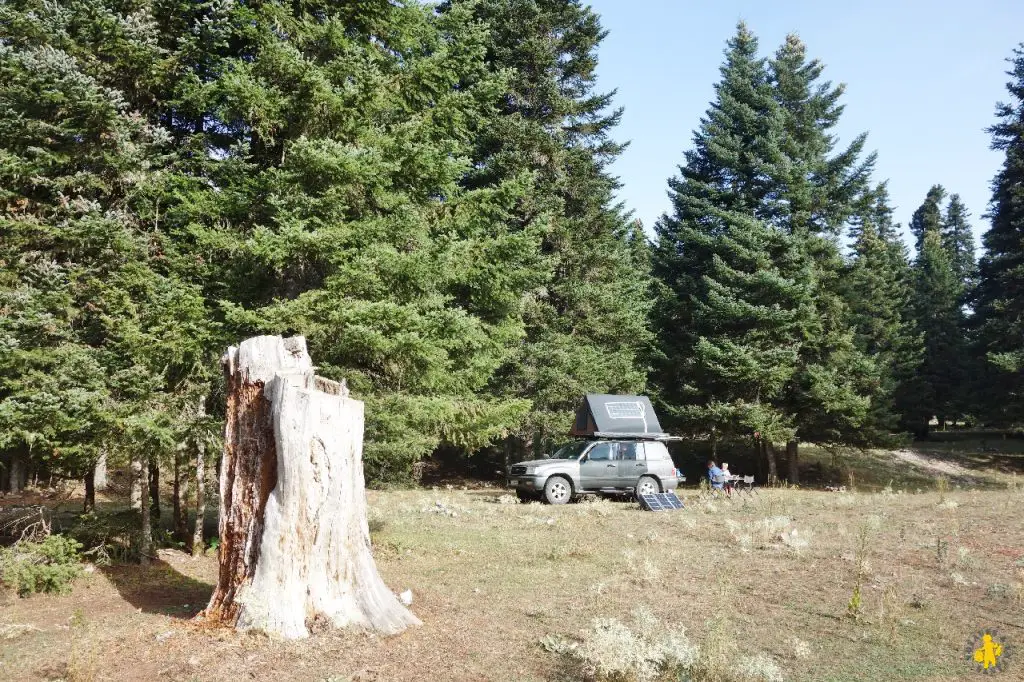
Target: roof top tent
(616,416)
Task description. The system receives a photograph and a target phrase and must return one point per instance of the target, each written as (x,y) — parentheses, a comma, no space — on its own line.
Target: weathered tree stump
(294,541)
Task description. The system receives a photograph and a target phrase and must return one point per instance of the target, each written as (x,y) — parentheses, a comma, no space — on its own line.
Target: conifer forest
(424,193)
(316,315)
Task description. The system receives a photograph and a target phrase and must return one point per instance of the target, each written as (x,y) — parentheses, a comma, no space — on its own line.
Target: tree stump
(294,541)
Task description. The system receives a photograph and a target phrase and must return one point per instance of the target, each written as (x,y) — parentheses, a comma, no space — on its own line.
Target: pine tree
(334,208)
(735,292)
(958,241)
(815,195)
(1000,297)
(99,332)
(756,334)
(586,327)
(939,318)
(878,286)
(928,216)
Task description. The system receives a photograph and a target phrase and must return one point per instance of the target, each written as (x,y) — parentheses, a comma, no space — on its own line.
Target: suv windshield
(570,450)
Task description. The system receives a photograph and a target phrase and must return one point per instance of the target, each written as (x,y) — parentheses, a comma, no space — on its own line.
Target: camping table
(738,482)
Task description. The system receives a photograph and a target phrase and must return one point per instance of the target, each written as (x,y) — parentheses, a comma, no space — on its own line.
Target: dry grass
(492,579)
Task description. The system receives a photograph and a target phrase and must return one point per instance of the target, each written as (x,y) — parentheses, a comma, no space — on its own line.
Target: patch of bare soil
(931,464)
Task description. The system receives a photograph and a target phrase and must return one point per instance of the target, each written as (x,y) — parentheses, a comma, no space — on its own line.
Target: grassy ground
(491,579)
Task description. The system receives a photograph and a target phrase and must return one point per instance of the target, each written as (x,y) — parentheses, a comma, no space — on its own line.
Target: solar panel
(660,502)
(627,410)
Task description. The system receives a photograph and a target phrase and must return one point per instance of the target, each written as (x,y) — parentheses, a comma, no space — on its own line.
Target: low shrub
(614,652)
(647,651)
(108,536)
(47,565)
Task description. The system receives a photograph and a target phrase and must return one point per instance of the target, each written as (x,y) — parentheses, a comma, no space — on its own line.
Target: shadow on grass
(159,588)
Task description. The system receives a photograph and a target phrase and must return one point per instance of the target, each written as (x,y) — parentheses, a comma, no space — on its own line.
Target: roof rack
(634,436)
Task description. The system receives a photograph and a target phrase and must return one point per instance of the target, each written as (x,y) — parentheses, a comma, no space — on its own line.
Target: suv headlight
(531,470)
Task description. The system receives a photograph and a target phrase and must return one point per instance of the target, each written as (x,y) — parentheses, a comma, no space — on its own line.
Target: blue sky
(922,78)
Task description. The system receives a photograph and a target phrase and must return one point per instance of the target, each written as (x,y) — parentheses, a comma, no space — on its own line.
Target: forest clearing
(290,288)
(493,580)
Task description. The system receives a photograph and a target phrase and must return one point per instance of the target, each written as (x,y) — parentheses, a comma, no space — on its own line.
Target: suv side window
(656,451)
(630,451)
(601,452)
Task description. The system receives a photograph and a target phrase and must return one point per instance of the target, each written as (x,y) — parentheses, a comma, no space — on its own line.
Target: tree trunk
(793,462)
(294,542)
(762,460)
(99,476)
(197,531)
(17,475)
(135,474)
(146,529)
(180,501)
(773,467)
(154,488)
(90,490)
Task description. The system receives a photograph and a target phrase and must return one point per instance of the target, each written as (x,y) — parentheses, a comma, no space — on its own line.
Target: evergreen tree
(815,194)
(735,292)
(587,326)
(939,318)
(878,286)
(958,241)
(98,335)
(755,331)
(1000,298)
(333,208)
(928,216)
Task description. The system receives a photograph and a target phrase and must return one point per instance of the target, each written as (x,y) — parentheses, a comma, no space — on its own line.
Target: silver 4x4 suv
(604,466)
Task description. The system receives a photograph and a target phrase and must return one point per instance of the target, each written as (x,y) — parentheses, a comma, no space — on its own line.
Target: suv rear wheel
(647,485)
(557,490)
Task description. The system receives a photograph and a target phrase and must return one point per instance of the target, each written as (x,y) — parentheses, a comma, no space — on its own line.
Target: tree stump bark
(294,540)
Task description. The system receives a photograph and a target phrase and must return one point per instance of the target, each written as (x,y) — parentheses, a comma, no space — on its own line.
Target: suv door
(598,471)
(659,462)
(631,464)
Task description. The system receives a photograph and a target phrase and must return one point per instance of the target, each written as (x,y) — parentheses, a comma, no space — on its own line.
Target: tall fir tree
(816,193)
(335,210)
(756,334)
(939,318)
(928,216)
(735,292)
(101,336)
(878,288)
(958,240)
(1000,295)
(587,325)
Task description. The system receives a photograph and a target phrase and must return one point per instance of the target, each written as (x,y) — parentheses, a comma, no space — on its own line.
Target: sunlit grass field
(763,586)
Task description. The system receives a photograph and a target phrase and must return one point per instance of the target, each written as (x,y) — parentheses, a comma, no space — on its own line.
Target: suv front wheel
(557,490)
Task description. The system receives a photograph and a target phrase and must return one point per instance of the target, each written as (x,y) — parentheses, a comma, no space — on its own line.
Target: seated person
(715,476)
(727,477)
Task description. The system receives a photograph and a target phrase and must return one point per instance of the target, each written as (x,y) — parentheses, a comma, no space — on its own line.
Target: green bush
(48,565)
(107,535)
